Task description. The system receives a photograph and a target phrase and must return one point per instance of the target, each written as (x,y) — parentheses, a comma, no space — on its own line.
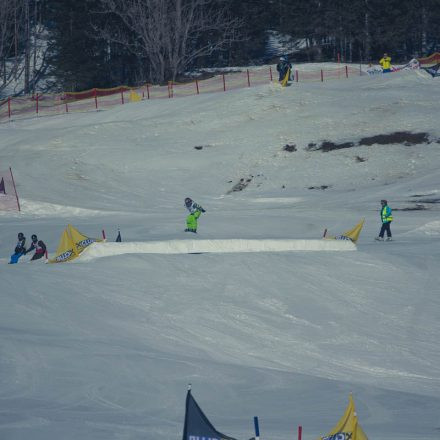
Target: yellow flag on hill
(134,97)
(286,78)
(71,244)
(348,427)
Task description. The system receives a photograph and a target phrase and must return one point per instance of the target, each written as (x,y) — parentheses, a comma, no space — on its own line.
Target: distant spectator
(385,62)
(284,68)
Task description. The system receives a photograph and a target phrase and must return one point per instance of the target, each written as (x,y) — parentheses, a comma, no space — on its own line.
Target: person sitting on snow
(195,212)
(283,68)
(39,246)
(20,249)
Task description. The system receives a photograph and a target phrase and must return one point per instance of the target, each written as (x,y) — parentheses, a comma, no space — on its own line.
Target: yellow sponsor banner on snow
(347,427)
(71,244)
(351,234)
(66,250)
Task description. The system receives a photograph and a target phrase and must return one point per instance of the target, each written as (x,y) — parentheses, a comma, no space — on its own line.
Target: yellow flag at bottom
(347,427)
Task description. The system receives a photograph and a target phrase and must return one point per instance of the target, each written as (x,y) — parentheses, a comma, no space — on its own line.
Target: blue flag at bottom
(197,426)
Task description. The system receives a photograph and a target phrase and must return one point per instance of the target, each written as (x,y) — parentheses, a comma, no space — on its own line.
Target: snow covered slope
(105,349)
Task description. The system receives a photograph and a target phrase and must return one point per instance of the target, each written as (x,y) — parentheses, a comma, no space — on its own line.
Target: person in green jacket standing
(386,217)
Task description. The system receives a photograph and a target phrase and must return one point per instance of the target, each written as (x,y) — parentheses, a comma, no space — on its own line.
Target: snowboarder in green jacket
(195,211)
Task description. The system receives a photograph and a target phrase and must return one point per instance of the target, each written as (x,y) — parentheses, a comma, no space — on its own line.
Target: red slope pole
(300,432)
(15,189)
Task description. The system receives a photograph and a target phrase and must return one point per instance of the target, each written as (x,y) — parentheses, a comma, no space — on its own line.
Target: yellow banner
(66,249)
(347,427)
(72,243)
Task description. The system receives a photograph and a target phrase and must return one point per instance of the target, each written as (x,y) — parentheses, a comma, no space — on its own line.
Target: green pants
(191,220)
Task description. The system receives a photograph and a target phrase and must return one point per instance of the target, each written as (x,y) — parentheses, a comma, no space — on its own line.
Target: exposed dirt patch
(327,146)
(289,147)
(429,201)
(240,185)
(399,137)
(200,147)
(319,187)
(417,207)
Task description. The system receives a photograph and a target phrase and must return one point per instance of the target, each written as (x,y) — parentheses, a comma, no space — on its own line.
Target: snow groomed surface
(99,250)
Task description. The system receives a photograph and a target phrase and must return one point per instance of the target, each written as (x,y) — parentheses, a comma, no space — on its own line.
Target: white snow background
(104,348)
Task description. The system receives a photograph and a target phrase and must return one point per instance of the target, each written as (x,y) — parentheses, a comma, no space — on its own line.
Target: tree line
(75,45)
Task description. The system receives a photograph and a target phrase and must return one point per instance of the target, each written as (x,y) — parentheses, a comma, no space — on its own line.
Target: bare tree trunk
(170,34)
(27,51)
(367,49)
(424,42)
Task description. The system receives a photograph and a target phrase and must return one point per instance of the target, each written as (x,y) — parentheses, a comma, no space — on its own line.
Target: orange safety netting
(95,99)
(432,60)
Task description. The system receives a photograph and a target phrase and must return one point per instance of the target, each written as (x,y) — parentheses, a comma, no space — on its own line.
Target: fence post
(297,75)
(122,96)
(197,86)
(172,88)
(346,71)
(248,78)
(169,93)
(270,73)
(103,235)
(224,82)
(37,104)
(322,75)
(148,91)
(300,432)
(257,428)
(9,107)
(15,189)
(96,98)
(67,108)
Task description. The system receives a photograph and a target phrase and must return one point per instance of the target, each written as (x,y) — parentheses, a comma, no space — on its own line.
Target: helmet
(188,201)
(20,235)
(34,237)
(384,202)
(283,58)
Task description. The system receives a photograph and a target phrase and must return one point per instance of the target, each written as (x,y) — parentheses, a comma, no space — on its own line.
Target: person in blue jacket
(20,249)
(195,211)
(386,217)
